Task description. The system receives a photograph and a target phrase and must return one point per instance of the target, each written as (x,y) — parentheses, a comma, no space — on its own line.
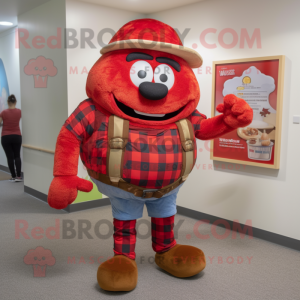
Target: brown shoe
(118,274)
(181,261)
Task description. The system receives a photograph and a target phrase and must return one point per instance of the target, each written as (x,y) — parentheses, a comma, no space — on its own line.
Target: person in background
(11,138)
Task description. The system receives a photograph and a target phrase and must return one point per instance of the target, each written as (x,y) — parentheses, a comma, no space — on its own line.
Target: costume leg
(120,272)
(178,260)
(162,234)
(124,238)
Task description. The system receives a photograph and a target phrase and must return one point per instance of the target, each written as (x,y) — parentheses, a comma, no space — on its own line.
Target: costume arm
(236,113)
(66,184)
(66,154)
(212,128)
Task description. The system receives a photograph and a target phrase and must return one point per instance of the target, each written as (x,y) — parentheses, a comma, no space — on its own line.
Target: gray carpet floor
(273,271)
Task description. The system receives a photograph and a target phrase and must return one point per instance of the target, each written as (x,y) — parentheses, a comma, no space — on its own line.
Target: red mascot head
(145,75)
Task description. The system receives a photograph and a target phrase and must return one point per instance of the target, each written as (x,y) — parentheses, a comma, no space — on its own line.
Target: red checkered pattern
(82,123)
(153,157)
(124,238)
(162,234)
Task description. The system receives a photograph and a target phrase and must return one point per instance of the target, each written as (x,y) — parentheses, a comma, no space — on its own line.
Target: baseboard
(6,169)
(87,205)
(70,208)
(258,233)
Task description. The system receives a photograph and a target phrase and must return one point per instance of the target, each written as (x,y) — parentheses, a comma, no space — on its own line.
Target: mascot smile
(136,135)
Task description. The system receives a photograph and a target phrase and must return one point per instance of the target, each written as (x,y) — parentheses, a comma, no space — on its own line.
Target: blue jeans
(126,206)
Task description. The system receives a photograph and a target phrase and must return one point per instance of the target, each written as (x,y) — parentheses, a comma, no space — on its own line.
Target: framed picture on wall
(259,81)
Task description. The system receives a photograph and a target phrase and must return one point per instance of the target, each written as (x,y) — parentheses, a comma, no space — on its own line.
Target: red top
(11,119)
(153,157)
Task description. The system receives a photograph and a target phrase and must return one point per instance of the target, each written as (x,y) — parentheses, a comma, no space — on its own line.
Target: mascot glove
(63,190)
(236,111)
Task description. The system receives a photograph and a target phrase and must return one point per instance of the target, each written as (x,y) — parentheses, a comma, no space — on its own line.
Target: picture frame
(260,82)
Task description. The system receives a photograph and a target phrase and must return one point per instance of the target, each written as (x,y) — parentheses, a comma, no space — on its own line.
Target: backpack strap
(186,134)
(118,132)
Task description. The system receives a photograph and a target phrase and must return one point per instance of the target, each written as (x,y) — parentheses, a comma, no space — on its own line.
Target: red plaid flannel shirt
(153,157)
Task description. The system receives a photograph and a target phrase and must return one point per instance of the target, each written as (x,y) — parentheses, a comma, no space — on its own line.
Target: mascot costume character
(136,135)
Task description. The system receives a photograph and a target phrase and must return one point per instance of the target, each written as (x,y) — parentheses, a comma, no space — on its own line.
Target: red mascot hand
(63,190)
(236,111)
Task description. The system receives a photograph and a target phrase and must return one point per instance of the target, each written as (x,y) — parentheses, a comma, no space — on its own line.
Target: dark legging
(12,148)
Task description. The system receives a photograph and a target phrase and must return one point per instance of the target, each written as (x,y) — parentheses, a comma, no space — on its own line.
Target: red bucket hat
(152,35)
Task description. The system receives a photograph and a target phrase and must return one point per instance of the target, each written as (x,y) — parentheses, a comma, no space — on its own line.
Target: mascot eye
(164,74)
(141,71)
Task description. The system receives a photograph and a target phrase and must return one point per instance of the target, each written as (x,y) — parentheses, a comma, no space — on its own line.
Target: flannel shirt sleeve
(196,118)
(82,121)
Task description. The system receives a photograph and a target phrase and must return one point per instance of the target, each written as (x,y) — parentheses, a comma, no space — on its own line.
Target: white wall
(95,17)
(10,57)
(44,109)
(269,198)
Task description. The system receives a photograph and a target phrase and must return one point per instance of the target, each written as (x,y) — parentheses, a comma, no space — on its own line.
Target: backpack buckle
(188,145)
(117,143)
